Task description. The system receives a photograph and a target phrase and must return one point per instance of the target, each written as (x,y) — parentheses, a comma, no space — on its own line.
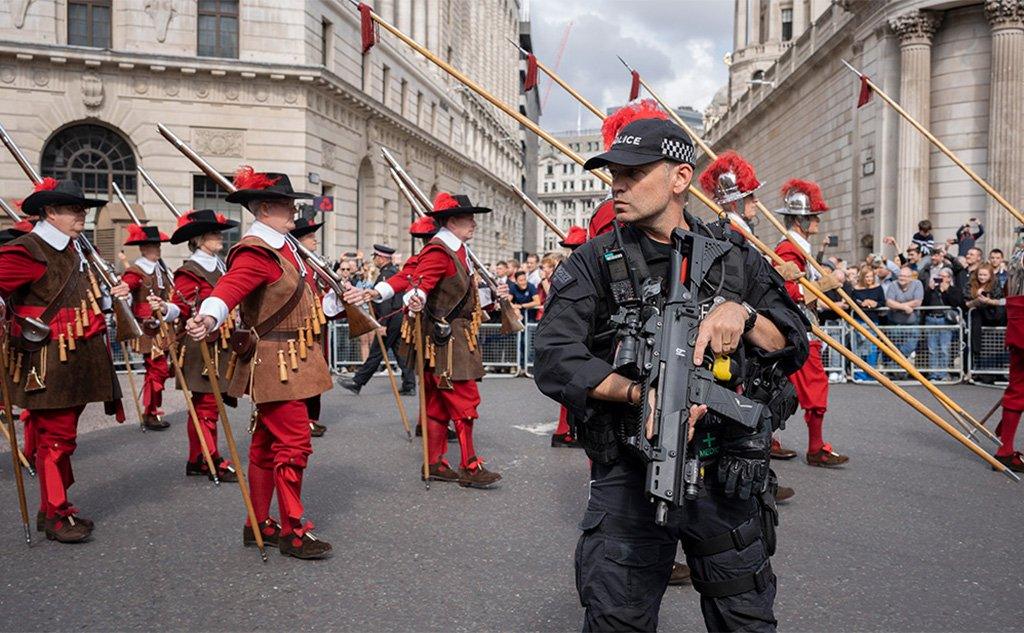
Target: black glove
(743,464)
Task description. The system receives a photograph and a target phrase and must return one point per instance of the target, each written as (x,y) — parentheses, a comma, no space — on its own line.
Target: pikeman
(389,317)
(732,182)
(305,232)
(268,280)
(445,292)
(194,280)
(150,283)
(802,207)
(59,359)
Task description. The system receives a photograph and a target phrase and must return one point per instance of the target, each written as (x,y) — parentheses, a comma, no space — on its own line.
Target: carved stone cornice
(1005,14)
(916,27)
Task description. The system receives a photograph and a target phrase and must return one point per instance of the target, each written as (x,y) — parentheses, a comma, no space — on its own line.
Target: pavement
(915,534)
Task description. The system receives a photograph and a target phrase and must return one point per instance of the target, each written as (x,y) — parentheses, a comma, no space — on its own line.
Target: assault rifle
(655,347)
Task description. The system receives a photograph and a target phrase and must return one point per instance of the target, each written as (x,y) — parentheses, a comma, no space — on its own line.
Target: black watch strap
(751,317)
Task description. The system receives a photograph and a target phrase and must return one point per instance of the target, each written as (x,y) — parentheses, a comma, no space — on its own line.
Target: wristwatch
(748,324)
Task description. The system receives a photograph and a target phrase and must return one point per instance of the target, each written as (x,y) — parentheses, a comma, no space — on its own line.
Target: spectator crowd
(928,283)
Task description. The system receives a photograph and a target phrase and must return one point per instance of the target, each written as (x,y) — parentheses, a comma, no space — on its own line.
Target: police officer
(390,316)
(624,559)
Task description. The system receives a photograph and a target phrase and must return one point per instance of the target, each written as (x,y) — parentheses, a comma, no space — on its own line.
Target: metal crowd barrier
(938,351)
(991,357)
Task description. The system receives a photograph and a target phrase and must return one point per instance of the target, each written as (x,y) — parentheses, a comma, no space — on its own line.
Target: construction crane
(558,60)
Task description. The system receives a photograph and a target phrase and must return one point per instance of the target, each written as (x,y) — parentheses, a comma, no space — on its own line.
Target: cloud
(677,46)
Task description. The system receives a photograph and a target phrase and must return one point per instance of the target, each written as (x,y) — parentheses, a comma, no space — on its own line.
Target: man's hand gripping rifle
(656,348)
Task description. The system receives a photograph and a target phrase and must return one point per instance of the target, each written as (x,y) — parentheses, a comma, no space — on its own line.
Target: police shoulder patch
(562,279)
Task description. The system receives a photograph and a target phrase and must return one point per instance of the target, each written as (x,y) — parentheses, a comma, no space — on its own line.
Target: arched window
(93,156)
(757,76)
(364,204)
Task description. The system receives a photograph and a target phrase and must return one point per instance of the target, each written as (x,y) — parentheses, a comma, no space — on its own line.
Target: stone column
(915,30)
(755,36)
(739,28)
(1006,119)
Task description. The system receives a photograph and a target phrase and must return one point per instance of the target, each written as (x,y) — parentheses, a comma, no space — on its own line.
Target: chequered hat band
(678,151)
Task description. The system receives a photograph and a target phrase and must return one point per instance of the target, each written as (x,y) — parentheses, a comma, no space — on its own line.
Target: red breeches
(56,432)
(157,372)
(278,454)
(206,410)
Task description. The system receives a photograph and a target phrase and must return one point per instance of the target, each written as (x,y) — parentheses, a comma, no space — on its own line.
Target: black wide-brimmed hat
(251,185)
(304,226)
(53,192)
(139,235)
(447,205)
(200,222)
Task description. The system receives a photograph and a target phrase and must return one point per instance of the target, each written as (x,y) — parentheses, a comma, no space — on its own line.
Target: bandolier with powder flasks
(287,363)
(453,306)
(74,367)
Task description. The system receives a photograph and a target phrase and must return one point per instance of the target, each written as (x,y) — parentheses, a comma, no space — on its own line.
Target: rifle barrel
(9,211)
(124,203)
(15,151)
(189,153)
(158,191)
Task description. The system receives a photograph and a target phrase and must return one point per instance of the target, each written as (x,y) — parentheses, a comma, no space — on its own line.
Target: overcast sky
(676,45)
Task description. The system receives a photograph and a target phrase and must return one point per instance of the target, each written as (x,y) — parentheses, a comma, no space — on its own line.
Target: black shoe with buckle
(316,429)
(305,547)
(407,391)
(269,529)
(154,423)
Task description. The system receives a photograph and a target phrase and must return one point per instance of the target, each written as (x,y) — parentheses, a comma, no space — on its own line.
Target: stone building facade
(958,67)
(567,193)
(282,86)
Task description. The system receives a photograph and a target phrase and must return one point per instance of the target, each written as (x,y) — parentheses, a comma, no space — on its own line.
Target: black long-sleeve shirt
(574,340)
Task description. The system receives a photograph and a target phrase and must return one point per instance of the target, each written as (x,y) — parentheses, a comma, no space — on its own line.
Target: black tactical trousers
(392,338)
(623,559)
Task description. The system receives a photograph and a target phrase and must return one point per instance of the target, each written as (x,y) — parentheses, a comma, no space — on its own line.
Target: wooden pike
(243,484)
(761,246)
(424,425)
(394,384)
(883,342)
(16,455)
(989,189)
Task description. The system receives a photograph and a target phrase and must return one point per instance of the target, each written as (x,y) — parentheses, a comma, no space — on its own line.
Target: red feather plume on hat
(812,190)
(185,218)
(223,219)
(728,161)
(576,236)
(444,201)
(46,184)
(135,233)
(423,226)
(247,178)
(632,111)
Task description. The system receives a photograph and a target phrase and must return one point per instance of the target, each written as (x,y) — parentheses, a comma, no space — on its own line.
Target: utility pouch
(35,334)
(243,343)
